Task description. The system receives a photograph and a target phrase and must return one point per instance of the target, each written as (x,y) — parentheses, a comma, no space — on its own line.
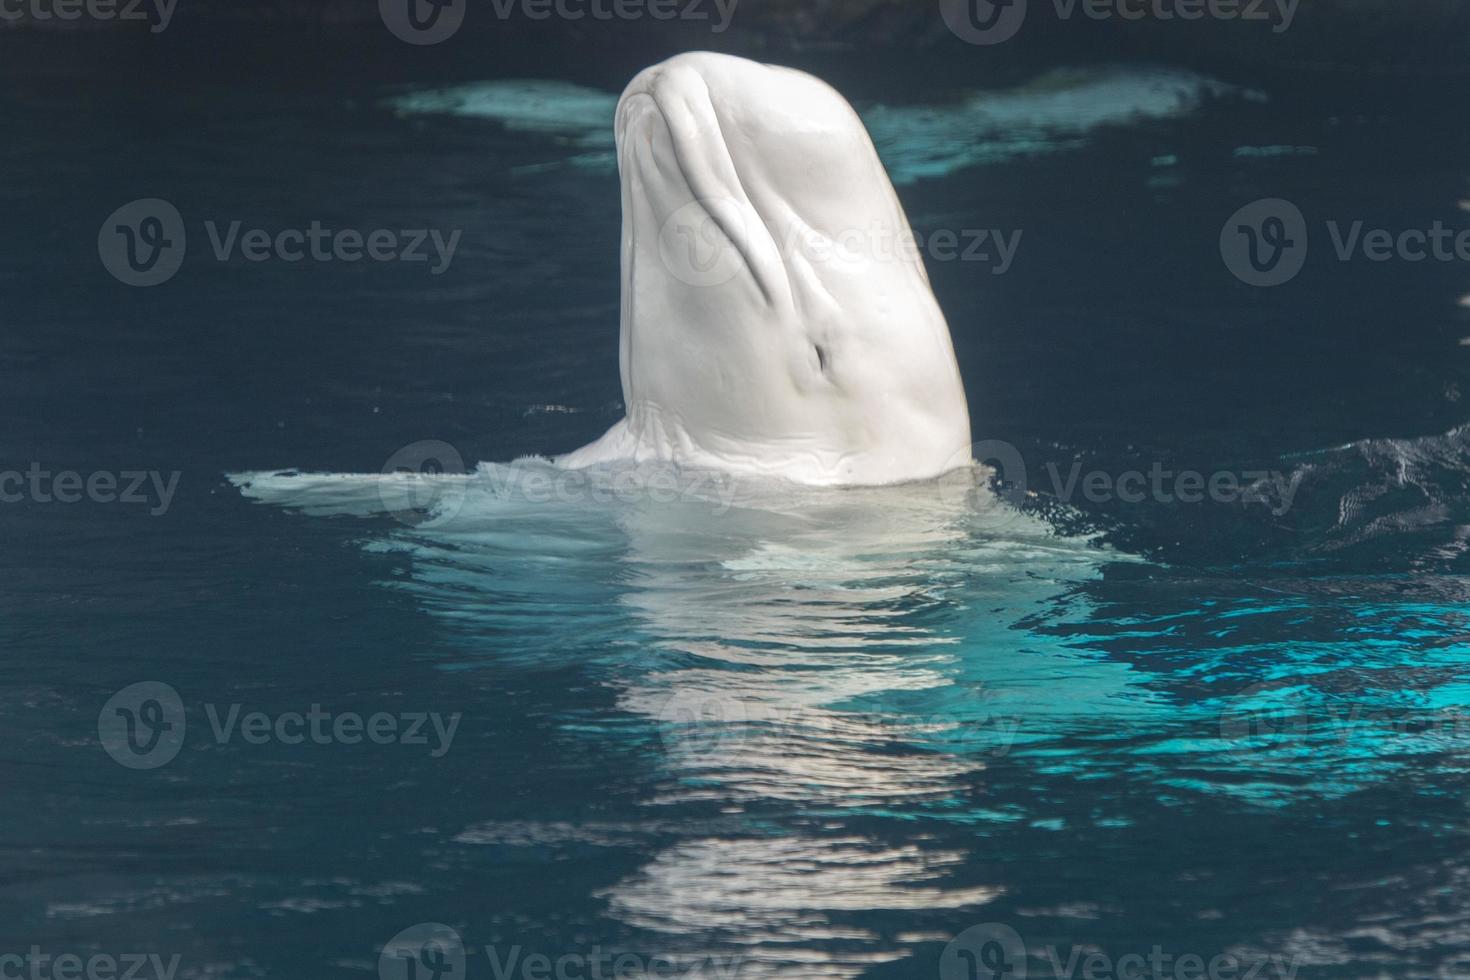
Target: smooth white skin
(776,317)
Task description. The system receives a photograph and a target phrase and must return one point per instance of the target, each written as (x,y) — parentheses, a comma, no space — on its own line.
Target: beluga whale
(776,317)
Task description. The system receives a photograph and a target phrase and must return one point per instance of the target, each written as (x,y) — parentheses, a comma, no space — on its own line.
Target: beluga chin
(771,320)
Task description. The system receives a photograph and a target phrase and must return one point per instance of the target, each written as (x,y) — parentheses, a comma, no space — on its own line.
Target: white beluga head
(776,316)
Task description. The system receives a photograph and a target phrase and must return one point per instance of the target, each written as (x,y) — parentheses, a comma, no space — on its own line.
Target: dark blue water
(812,737)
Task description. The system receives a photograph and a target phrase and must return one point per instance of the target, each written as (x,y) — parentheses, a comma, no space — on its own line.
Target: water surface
(810,735)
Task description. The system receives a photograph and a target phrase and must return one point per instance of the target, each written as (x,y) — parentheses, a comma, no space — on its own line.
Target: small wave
(1396,493)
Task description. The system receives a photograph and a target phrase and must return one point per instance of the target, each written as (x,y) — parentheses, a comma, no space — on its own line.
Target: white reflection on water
(1056,111)
(826,653)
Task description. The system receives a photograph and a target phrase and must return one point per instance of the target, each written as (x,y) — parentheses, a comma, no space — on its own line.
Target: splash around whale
(767,324)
